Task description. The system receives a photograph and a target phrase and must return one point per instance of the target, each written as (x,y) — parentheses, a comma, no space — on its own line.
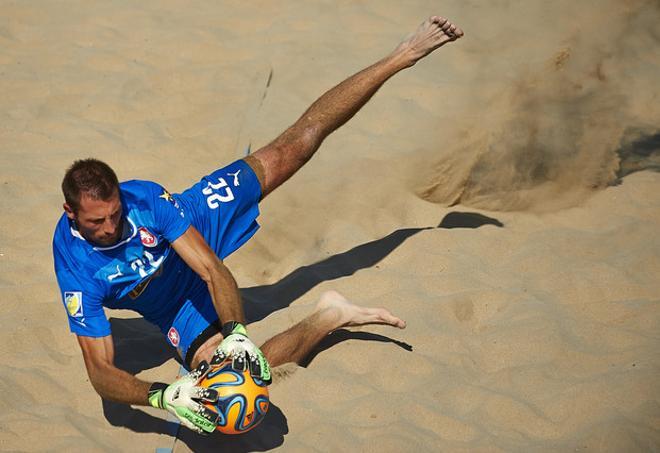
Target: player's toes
(452,30)
(439,20)
(388,318)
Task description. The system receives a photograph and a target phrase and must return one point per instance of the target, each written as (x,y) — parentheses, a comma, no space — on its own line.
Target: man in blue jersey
(133,245)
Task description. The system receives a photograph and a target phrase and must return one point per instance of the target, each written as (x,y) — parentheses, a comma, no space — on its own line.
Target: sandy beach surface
(502,196)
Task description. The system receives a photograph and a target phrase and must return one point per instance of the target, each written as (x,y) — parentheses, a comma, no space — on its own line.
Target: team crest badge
(147,238)
(173,336)
(73,302)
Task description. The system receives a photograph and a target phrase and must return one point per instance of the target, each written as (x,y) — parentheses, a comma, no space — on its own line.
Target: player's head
(91,195)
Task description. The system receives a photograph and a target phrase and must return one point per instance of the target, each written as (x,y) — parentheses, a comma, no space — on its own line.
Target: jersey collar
(76,234)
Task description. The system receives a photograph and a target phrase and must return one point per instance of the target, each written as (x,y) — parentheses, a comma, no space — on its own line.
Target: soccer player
(133,245)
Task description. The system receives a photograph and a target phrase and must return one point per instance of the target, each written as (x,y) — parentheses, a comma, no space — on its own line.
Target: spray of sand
(576,123)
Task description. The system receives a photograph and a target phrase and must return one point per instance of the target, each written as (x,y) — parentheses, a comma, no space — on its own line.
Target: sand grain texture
(502,197)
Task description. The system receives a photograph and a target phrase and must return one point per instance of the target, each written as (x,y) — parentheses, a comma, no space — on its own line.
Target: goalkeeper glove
(184,398)
(237,346)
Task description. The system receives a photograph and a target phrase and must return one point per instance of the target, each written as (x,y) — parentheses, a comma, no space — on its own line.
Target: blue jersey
(142,272)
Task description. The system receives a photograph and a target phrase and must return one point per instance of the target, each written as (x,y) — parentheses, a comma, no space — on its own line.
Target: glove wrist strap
(155,394)
(233,327)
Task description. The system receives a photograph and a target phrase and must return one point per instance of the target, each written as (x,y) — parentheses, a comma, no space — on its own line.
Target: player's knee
(309,139)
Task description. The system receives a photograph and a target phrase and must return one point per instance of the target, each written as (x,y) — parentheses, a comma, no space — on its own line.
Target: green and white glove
(237,346)
(184,398)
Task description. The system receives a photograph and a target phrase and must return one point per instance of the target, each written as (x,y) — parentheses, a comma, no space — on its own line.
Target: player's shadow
(342,335)
(458,219)
(261,301)
(140,346)
(265,436)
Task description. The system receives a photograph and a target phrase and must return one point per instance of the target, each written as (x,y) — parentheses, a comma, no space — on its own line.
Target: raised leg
(278,161)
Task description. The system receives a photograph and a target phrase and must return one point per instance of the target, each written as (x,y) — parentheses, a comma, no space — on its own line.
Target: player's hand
(184,399)
(243,353)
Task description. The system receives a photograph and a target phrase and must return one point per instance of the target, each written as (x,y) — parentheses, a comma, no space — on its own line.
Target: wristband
(155,394)
(229,327)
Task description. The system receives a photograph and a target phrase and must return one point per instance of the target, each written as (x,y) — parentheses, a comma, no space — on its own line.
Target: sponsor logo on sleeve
(173,336)
(235,175)
(117,274)
(168,197)
(147,238)
(73,302)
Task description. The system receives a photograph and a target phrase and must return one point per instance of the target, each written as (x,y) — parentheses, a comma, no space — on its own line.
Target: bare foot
(332,302)
(431,34)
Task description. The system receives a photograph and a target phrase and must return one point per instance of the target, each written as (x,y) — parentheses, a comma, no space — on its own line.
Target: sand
(503,197)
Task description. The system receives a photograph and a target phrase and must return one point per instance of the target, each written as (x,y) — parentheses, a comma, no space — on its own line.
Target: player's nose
(109,227)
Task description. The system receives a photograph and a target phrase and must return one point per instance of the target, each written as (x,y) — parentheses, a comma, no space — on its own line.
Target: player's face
(99,221)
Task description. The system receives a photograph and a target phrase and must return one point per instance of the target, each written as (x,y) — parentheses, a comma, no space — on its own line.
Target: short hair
(89,176)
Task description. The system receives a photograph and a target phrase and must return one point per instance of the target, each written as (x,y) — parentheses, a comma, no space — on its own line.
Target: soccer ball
(242,400)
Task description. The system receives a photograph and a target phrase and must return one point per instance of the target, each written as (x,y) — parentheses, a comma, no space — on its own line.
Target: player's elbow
(98,371)
(96,381)
(213,269)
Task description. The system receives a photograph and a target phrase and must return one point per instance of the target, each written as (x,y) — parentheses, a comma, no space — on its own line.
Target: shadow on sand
(140,346)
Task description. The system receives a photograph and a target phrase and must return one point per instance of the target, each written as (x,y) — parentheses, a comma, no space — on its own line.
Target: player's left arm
(194,250)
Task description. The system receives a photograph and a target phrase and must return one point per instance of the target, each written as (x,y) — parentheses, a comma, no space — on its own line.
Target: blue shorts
(224,207)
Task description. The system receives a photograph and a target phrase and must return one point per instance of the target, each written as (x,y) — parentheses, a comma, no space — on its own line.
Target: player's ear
(69,212)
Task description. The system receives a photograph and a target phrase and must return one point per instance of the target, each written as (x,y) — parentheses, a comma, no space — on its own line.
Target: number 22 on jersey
(217,193)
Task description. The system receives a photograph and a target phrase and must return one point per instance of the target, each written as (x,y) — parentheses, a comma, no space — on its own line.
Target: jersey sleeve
(83,305)
(168,215)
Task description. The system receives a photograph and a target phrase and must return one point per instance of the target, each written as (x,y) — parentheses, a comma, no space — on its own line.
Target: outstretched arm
(109,381)
(192,247)
(194,250)
(182,398)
